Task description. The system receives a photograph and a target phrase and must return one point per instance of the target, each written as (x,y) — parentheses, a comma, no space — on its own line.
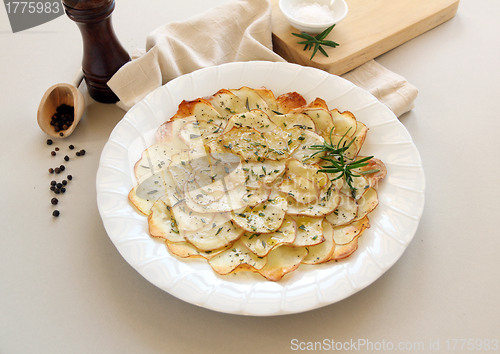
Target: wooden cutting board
(371,28)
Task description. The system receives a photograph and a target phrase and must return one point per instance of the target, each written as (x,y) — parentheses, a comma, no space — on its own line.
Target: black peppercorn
(64,182)
(57,149)
(66,158)
(82,152)
(63,190)
(55,213)
(57,170)
(77,153)
(71,147)
(54,201)
(69,177)
(49,141)
(53,183)
(51,170)
(53,153)
(62,168)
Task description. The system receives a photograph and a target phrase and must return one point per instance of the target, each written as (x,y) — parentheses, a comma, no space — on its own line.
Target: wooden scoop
(57,95)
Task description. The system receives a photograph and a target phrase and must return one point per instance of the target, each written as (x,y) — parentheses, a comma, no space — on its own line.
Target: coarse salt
(312,12)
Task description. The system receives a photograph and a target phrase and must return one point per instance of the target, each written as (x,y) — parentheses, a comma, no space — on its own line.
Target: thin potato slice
(291,120)
(254,119)
(361,131)
(264,172)
(367,203)
(327,202)
(262,244)
(162,224)
(265,217)
(227,103)
(281,261)
(235,258)
(342,141)
(321,253)
(346,233)
(252,99)
(187,250)
(201,110)
(142,205)
(345,123)
(344,251)
(279,143)
(303,153)
(231,200)
(345,212)
(199,130)
(309,171)
(360,184)
(248,143)
(322,120)
(373,178)
(189,220)
(168,132)
(289,101)
(309,231)
(268,96)
(219,233)
(153,158)
(300,189)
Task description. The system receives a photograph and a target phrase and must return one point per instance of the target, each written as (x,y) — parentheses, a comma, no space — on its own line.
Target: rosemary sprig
(317,41)
(340,163)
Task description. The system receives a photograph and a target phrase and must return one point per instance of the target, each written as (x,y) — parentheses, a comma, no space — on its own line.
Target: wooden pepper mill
(103,54)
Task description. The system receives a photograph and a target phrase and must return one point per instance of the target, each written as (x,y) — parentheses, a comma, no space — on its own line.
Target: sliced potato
(346,211)
(254,119)
(263,172)
(219,233)
(345,123)
(309,231)
(162,224)
(268,96)
(303,153)
(321,253)
(309,171)
(300,189)
(294,120)
(227,103)
(288,101)
(262,244)
(189,220)
(248,143)
(346,233)
(235,258)
(361,131)
(367,203)
(252,99)
(199,130)
(373,178)
(265,217)
(281,261)
(168,132)
(279,143)
(154,158)
(201,110)
(187,250)
(343,141)
(344,251)
(231,200)
(327,202)
(322,120)
(360,184)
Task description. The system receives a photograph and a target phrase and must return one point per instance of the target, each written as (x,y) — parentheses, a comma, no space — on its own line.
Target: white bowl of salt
(313,16)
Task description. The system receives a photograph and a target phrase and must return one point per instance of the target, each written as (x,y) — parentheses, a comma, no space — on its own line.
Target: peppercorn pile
(60,187)
(63,118)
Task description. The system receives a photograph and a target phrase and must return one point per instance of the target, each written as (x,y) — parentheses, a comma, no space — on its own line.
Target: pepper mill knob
(103,54)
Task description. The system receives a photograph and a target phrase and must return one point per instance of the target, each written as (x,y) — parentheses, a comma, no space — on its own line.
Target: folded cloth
(239,30)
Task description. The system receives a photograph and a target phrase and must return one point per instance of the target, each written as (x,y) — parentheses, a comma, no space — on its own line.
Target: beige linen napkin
(239,30)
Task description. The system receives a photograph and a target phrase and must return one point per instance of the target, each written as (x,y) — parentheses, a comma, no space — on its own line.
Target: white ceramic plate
(393,224)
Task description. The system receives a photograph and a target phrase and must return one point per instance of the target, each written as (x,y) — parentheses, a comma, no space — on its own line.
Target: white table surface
(64,288)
